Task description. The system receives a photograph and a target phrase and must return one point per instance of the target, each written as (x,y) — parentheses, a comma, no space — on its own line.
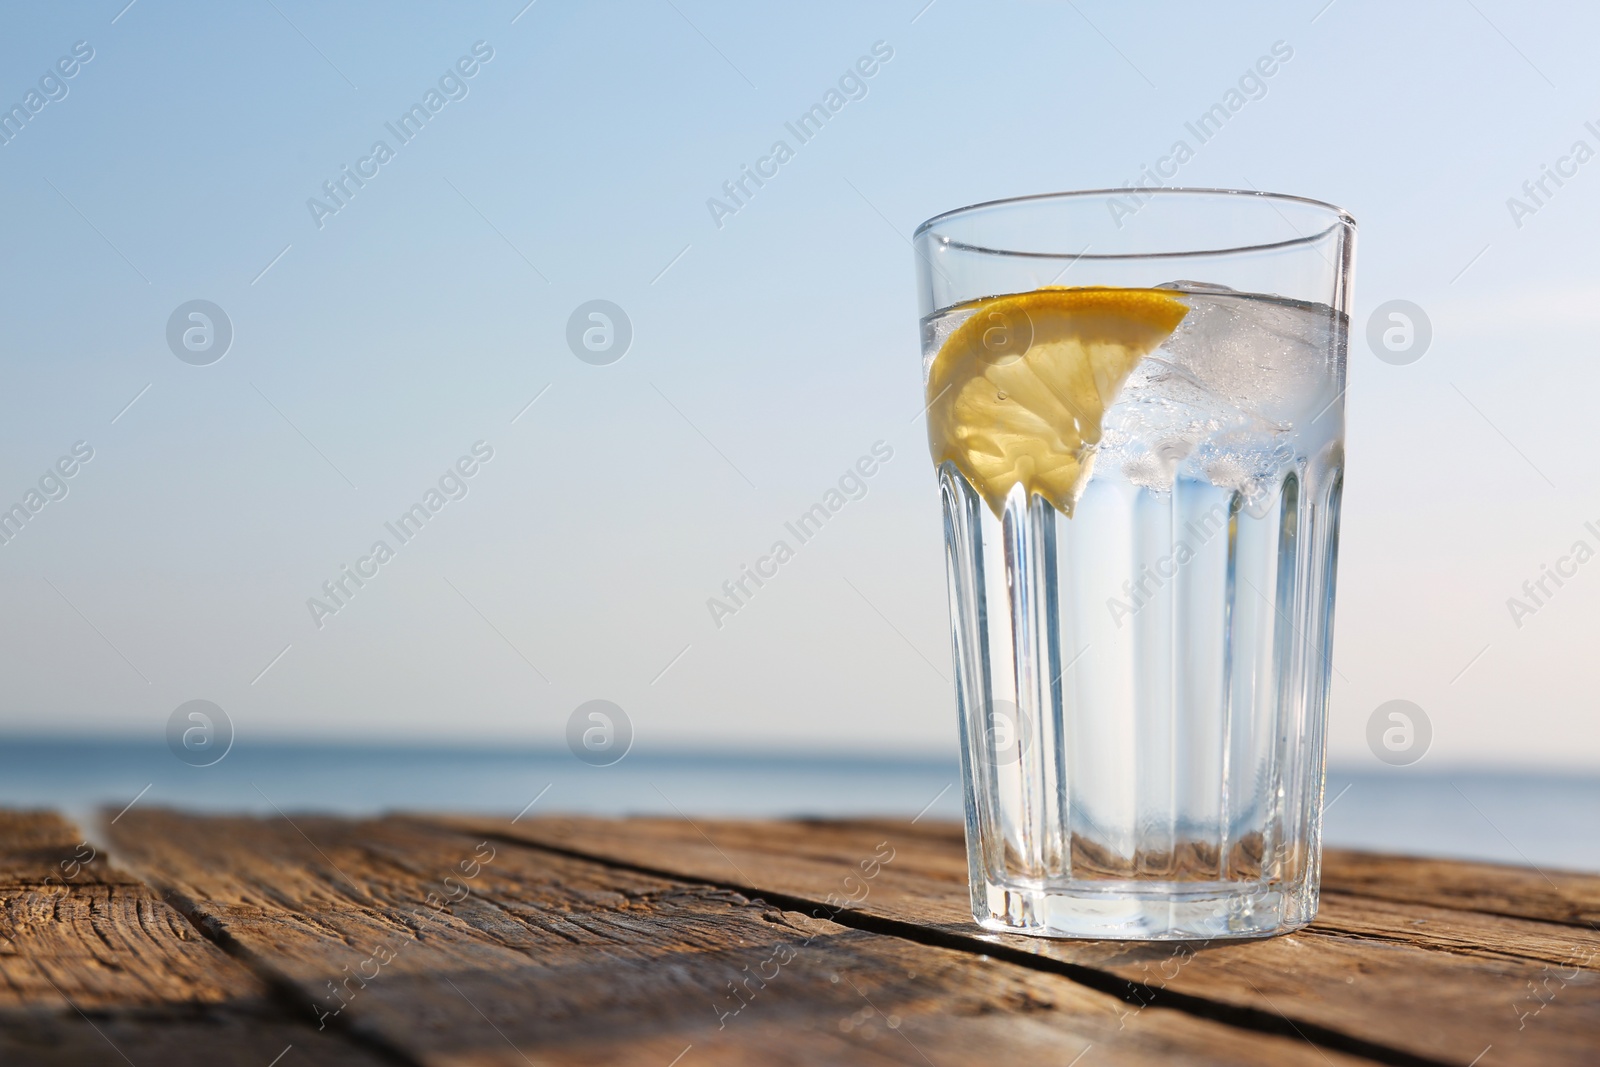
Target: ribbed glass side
(1142,691)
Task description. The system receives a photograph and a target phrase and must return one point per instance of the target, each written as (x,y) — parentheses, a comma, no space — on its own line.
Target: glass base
(1143,910)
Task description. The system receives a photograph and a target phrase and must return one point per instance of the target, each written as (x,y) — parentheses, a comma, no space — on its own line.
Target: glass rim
(1341,219)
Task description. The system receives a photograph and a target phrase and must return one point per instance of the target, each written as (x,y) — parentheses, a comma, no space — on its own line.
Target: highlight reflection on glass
(1137,420)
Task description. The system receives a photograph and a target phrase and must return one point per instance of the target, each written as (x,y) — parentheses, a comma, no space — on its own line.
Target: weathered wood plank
(1444,989)
(235,1036)
(95,967)
(108,947)
(1543,894)
(1492,888)
(552,959)
(43,848)
(1468,933)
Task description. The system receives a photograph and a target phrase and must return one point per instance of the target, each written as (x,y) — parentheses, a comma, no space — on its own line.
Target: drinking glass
(1141,598)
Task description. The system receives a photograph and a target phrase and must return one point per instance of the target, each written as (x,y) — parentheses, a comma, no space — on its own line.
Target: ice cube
(1269,357)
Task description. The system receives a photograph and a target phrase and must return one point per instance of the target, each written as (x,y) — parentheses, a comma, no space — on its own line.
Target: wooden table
(183,939)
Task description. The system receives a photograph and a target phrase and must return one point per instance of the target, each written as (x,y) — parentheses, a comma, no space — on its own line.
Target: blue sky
(769,352)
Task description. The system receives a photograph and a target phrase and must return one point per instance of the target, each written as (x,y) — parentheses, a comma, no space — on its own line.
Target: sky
(393,335)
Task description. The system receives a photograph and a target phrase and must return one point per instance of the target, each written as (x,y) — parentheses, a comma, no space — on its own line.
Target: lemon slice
(1017,392)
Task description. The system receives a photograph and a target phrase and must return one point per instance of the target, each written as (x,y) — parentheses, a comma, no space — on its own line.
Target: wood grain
(1435,984)
(95,967)
(1490,888)
(43,848)
(554,959)
(466,940)
(1543,894)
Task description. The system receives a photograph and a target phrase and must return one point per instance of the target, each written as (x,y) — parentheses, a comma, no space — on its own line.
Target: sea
(1544,819)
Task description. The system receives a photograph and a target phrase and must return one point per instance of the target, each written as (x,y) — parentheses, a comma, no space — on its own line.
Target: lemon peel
(1017,392)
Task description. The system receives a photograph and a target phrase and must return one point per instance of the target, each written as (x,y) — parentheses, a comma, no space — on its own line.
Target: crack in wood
(1098,980)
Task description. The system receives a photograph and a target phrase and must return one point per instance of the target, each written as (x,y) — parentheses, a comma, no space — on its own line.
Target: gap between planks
(1467,993)
(238,869)
(1130,992)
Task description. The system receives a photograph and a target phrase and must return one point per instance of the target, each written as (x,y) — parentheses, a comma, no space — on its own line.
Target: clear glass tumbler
(1136,411)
